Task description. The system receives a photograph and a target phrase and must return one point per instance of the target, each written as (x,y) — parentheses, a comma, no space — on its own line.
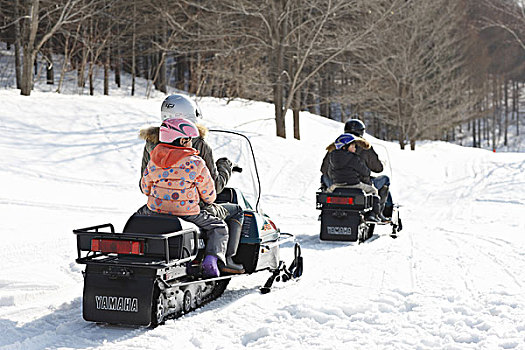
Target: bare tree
(55,15)
(508,15)
(290,40)
(416,77)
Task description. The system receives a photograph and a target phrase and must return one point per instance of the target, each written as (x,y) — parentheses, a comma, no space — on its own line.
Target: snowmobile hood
(166,155)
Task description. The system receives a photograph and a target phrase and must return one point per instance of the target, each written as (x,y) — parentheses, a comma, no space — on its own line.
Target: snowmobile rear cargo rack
(154,251)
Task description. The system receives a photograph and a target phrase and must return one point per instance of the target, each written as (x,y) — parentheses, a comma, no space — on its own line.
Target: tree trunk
(18,67)
(400,118)
(81,79)
(162,73)
(517,108)
(278,91)
(280,123)
(106,72)
(27,72)
(506,120)
(196,77)
(474,133)
(514,92)
(29,49)
(480,136)
(90,77)
(296,109)
(278,58)
(494,112)
(80,75)
(64,65)
(50,70)
(117,61)
(499,94)
(117,70)
(133,50)
(181,72)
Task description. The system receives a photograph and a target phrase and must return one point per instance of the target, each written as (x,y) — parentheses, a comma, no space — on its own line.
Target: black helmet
(355,127)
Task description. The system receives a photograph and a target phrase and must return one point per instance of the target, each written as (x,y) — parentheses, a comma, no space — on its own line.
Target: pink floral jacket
(175,179)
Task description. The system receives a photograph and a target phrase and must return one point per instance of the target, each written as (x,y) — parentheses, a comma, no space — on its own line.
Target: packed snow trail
(454,279)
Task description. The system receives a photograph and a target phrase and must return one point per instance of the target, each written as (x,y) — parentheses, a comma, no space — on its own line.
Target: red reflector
(340,200)
(117,246)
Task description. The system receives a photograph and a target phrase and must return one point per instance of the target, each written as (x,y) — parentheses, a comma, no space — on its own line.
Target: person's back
(346,167)
(371,160)
(175,180)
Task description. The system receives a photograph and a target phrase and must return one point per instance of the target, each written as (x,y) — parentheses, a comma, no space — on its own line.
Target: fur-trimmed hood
(151,134)
(361,142)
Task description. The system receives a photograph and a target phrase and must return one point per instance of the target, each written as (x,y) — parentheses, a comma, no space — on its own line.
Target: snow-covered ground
(454,279)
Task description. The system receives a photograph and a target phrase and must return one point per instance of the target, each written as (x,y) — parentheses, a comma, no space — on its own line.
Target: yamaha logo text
(117,303)
(339,230)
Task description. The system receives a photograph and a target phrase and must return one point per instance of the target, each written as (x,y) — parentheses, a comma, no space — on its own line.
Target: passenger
(346,168)
(370,158)
(175,180)
(180,106)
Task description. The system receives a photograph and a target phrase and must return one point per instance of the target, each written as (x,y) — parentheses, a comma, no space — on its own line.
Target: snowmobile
(344,212)
(150,271)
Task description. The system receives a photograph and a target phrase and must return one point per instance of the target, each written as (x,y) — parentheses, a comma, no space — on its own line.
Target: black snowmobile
(344,212)
(150,271)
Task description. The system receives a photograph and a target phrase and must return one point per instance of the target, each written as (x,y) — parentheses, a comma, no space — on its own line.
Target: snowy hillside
(454,279)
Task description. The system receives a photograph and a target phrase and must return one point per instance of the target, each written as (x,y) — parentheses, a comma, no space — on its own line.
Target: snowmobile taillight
(117,246)
(340,200)
(273,225)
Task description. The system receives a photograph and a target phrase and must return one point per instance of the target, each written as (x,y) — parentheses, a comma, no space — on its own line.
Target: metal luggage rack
(150,258)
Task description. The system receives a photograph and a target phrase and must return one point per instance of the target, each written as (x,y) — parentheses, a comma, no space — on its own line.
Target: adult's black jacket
(346,167)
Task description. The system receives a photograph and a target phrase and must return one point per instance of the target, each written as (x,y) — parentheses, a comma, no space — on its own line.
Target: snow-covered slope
(454,279)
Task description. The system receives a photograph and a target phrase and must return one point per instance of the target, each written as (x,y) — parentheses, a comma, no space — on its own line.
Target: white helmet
(180,106)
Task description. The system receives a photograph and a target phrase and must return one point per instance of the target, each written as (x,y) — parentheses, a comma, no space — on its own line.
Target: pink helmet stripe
(175,128)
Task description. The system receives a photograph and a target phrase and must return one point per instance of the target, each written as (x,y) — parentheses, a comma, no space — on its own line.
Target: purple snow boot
(209,266)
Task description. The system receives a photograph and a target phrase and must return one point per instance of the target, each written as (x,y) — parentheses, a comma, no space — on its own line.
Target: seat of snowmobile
(180,246)
(138,223)
(349,190)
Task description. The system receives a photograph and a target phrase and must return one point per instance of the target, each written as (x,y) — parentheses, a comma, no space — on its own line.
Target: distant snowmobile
(150,272)
(343,213)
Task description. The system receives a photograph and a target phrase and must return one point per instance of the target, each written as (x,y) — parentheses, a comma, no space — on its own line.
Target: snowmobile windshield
(384,157)
(237,148)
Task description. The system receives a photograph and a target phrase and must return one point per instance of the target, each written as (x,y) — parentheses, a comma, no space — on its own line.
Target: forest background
(412,70)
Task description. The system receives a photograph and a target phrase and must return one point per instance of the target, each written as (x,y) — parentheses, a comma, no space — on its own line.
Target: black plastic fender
(118,295)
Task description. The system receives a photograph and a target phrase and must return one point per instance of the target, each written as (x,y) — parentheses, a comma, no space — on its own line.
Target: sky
(453,279)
